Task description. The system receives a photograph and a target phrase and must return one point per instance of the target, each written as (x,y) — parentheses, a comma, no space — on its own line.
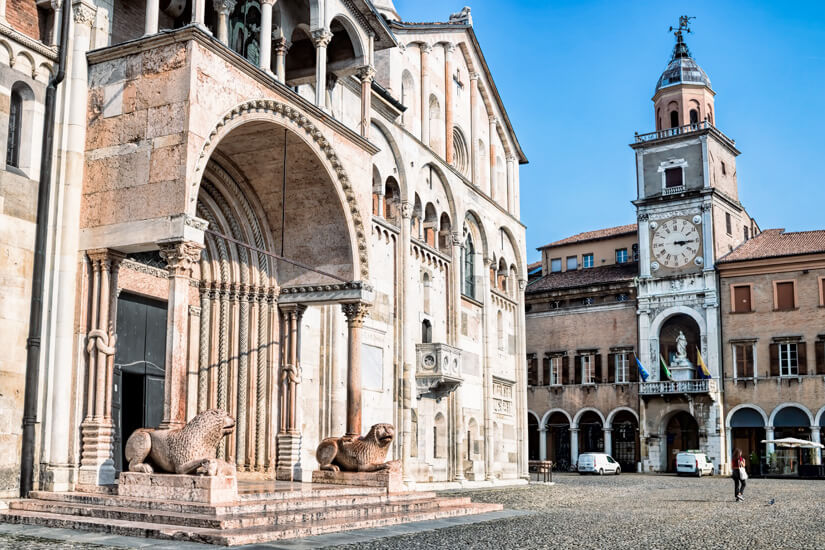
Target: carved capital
(522,284)
(356,313)
(195,311)
(180,256)
(224,7)
(105,259)
(426,48)
(366,73)
(474,76)
(644,217)
(406,209)
(455,238)
(321,38)
(706,207)
(488,261)
(84,13)
(281,45)
(449,47)
(290,310)
(267,2)
(493,120)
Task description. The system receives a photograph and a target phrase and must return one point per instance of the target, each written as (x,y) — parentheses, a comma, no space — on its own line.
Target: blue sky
(577,77)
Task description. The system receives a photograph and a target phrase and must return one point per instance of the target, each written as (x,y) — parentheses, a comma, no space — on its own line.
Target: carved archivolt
(295,120)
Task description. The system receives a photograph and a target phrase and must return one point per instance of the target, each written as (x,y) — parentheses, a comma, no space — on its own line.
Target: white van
(693,462)
(598,463)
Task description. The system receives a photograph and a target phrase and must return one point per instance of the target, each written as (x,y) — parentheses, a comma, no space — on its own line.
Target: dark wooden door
(137,395)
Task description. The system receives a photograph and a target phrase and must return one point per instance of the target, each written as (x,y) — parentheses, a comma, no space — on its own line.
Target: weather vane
(684,22)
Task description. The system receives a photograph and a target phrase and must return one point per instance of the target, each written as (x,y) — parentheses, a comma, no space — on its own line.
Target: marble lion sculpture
(357,454)
(191,449)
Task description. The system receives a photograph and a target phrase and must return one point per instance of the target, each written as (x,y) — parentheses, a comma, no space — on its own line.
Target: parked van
(598,463)
(693,462)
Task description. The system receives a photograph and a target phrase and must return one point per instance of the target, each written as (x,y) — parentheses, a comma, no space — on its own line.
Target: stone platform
(388,479)
(264,511)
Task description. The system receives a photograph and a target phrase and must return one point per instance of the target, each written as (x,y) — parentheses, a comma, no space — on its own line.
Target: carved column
(448,102)
(266,35)
(542,443)
(493,190)
(203,349)
(455,328)
(281,47)
(474,129)
(321,39)
(193,361)
(366,74)
(356,314)
(608,440)
(223,9)
(152,12)
(289,436)
(180,256)
(425,93)
(97,429)
(408,324)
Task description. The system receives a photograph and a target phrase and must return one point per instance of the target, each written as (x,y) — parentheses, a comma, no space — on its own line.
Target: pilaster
(356,313)
(289,436)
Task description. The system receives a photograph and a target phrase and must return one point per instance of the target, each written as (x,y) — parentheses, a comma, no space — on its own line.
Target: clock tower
(688,215)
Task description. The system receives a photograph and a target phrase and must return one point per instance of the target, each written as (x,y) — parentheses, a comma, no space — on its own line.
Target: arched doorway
(276,219)
(747,433)
(682,434)
(679,335)
(558,440)
(791,421)
(532,437)
(591,433)
(625,440)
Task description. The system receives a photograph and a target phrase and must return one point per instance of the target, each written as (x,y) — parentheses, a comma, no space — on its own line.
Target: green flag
(664,366)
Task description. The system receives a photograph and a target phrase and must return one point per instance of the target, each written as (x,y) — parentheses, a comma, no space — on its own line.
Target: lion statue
(191,449)
(357,454)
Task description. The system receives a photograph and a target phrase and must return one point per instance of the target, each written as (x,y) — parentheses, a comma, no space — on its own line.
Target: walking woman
(739,475)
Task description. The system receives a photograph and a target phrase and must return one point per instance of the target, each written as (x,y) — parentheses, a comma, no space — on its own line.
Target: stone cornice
(197,34)
(48,52)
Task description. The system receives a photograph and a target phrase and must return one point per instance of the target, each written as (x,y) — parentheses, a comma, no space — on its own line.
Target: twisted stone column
(97,428)
(180,257)
(356,313)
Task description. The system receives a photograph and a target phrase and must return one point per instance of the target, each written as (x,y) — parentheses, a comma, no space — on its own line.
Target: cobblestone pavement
(627,511)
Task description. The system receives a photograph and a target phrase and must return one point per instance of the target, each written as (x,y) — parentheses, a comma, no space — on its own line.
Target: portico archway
(682,433)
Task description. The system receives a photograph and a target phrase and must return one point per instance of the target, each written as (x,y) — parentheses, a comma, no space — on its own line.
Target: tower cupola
(683,93)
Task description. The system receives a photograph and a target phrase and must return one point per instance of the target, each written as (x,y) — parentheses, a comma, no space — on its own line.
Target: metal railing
(671,132)
(680,386)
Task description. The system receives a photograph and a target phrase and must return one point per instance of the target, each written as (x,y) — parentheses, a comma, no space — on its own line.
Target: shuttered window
(819,349)
(565,370)
(742,299)
(785,295)
(787,358)
(743,354)
(532,370)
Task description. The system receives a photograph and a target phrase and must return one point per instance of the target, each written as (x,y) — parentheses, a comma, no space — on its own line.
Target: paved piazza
(629,511)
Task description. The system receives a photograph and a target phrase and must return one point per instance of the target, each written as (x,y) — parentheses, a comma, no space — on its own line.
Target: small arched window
(425,283)
(694,116)
(15,129)
(674,119)
(469,251)
(500,329)
(426,332)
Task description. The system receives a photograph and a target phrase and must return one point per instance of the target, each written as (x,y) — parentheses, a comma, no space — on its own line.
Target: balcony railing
(681,386)
(672,132)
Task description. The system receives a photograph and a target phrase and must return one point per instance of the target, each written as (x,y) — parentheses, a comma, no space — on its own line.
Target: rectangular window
(784,295)
(724,171)
(622,367)
(819,356)
(532,370)
(621,255)
(743,360)
(555,265)
(742,299)
(572,263)
(788,360)
(588,370)
(555,371)
(822,291)
(746,232)
(587,260)
(728,224)
(673,177)
(635,249)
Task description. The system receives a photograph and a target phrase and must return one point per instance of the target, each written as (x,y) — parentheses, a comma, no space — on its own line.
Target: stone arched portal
(276,224)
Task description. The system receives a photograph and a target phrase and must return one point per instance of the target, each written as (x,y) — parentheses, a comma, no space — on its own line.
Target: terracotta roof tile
(595,235)
(775,243)
(614,273)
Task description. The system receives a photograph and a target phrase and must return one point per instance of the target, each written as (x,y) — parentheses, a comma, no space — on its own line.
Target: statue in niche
(681,350)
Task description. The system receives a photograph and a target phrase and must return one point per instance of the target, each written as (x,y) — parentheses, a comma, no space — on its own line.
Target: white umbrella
(794,443)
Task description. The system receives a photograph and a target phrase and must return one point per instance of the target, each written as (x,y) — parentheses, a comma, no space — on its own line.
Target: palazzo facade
(303,213)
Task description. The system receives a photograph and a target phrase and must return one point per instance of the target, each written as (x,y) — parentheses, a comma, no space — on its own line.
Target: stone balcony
(677,387)
(438,369)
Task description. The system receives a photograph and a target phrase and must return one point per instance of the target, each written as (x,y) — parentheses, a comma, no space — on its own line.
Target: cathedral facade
(303,213)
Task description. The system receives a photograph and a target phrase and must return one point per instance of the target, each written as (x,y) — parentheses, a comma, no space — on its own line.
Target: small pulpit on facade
(438,369)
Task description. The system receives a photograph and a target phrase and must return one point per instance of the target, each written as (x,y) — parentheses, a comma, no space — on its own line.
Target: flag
(664,366)
(703,369)
(642,370)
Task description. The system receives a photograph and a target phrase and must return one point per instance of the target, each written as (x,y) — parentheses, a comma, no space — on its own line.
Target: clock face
(676,242)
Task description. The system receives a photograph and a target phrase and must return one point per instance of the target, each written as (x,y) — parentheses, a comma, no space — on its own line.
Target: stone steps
(246,535)
(403,504)
(299,501)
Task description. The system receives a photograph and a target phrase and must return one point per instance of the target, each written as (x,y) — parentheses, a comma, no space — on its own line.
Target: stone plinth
(181,488)
(389,479)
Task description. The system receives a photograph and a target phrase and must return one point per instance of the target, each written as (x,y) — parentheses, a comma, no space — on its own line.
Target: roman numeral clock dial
(675,243)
